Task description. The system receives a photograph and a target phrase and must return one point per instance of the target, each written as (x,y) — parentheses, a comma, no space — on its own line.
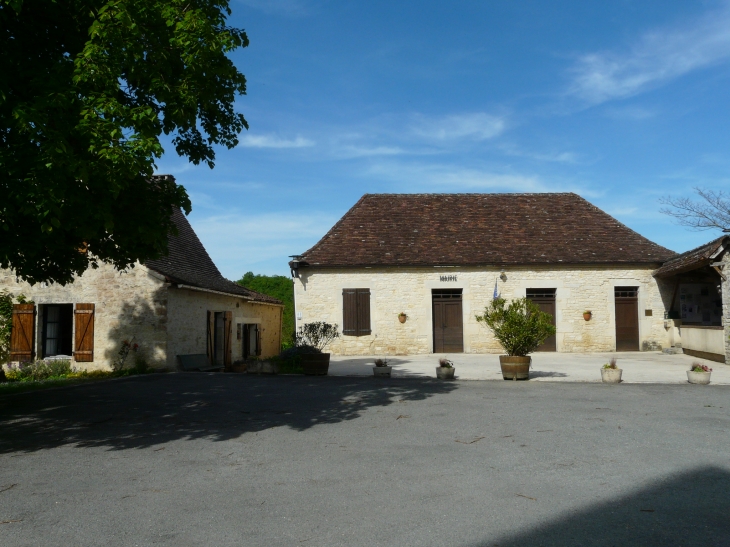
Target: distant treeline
(280,287)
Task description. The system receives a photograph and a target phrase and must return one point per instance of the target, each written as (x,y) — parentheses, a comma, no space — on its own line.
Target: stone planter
(515,367)
(611,375)
(239,367)
(316,364)
(383,372)
(262,367)
(698,377)
(445,373)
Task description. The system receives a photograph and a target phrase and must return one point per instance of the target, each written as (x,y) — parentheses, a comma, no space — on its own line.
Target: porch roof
(704,255)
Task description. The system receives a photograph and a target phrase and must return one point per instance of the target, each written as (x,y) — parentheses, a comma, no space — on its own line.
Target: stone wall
(318,297)
(188,316)
(128,304)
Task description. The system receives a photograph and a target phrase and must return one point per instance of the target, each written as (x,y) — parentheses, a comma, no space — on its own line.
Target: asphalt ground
(230,459)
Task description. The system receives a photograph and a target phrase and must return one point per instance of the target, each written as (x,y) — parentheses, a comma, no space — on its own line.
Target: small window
(626,292)
(540,293)
(251,340)
(57,330)
(356,312)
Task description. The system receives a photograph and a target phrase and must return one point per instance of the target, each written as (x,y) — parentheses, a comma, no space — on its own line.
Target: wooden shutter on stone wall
(22,336)
(363,312)
(84,328)
(209,345)
(356,312)
(258,340)
(227,337)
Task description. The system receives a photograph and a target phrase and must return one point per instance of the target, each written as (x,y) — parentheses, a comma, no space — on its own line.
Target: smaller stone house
(177,305)
(698,310)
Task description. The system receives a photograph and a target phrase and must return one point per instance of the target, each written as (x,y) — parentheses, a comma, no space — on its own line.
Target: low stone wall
(704,342)
(318,296)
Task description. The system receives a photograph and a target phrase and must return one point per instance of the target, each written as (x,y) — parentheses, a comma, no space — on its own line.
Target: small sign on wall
(446,278)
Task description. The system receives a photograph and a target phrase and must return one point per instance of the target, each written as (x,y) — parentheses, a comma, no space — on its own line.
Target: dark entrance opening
(57,330)
(545,300)
(448,321)
(251,340)
(627,318)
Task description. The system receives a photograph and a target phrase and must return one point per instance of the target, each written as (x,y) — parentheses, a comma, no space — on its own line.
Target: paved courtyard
(638,367)
(231,460)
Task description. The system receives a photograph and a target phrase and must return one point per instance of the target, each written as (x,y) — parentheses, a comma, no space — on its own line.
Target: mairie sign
(447,278)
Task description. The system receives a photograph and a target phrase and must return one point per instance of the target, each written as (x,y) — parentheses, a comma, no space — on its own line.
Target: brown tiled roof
(694,258)
(479,229)
(188,263)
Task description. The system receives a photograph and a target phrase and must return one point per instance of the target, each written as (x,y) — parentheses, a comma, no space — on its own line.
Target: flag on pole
(496,294)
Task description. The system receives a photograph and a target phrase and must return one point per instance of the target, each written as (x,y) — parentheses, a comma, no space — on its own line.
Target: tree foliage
(280,287)
(712,211)
(88,89)
(520,327)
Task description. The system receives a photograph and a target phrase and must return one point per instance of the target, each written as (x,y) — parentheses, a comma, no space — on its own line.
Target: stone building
(440,259)
(177,305)
(698,314)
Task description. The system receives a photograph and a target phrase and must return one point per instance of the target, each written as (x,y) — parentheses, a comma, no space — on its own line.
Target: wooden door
(448,321)
(627,318)
(545,300)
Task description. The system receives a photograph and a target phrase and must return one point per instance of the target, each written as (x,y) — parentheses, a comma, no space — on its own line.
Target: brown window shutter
(363,312)
(84,339)
(227,337)
(210,348)
(258,340)
(22,336)
(349,312)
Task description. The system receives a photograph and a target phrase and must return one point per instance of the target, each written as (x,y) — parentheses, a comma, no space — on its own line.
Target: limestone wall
(188,315)
(726,304)
(129,304)
(318,295)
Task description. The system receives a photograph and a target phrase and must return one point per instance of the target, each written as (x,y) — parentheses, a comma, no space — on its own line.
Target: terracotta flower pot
(587,316)
(316,364)
(402,318)
(515,367)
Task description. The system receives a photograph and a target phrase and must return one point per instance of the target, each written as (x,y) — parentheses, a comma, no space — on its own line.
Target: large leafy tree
(87,88)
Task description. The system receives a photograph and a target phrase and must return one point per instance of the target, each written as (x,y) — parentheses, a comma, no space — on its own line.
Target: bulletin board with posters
(700,303)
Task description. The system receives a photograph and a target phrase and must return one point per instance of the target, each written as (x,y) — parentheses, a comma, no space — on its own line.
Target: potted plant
(311,340)
(699,374)
(445,370)
(587,314)
(520,328)
(382,368)
(610,373)
(402,317)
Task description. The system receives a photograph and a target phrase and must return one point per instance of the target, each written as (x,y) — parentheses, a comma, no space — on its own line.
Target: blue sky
(620,101)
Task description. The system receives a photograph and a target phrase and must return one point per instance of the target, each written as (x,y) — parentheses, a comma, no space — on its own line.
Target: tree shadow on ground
(546,374)
(144,411)
(688,509)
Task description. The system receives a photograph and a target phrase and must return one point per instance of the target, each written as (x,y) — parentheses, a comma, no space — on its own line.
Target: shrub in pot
(382,368)
(610,373)
(311,340)
(445,370)
(699,374)
(520,327)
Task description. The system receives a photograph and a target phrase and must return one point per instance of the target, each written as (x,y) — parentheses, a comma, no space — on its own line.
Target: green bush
(316,335)
(38,370)
(520,327)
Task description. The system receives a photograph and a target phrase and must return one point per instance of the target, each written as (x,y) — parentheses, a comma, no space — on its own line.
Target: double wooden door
(545,300)
(627,318)
(448,321)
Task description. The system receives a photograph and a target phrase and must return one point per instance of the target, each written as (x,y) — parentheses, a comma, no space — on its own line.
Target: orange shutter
(22,336)
(227,336)
(84,327)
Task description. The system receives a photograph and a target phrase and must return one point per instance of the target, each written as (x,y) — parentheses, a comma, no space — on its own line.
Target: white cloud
(273,141)
(658,57)
(431,177)
(348,151)
(237,242)
(476,126)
